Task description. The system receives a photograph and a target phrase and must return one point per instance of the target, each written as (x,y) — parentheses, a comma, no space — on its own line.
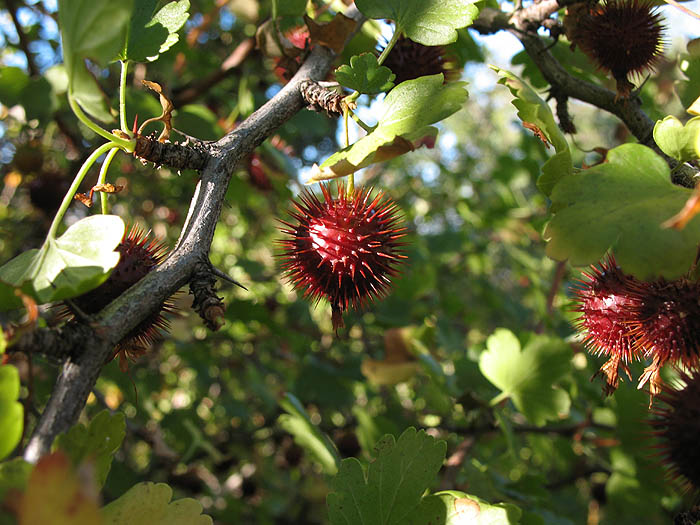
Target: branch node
(207,304)
(320,98)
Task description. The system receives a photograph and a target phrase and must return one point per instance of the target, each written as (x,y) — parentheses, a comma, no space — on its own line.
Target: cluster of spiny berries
(626,320)
(138,255)
(343,248)
(622,37)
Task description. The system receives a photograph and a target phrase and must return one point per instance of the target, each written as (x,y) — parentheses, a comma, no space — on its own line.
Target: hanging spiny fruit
(344,249)
(409,60)
(622,37)
(605,299)
(666,323)
(138,255)
(677,426)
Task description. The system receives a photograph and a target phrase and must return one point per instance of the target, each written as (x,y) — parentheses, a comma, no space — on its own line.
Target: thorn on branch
(320,98)
(207,304)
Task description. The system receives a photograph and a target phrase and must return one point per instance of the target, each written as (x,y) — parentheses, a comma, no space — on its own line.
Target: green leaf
(527,376)
(14,475)
(406,115)
(3,341)
(428,22)
(307,435)
(12,83)
(535,111)
(394,484)
(11,411)
(290,7)
(97,442)
(622,204)
(71,265)
(682,142)
(153,31)
(93,29)
(452,507)
(365,75)
(149,504)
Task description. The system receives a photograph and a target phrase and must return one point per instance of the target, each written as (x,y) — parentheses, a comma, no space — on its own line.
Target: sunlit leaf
(149,504)
(11,411)
(75,263)
(153,31)
(452,507)
(97,442)
(682,142)
(405,116)
(365,75)
(428,22)
(394,484)
(527,376)
(536,112)
(307,435)
(623,204)
(93,29)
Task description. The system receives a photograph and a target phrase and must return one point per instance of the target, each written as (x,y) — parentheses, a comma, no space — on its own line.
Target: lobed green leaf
(97,442)
(428,22)
(93,29)
(452,507)
(394,484)
(527,375)
(365,75)
(71,265)
(153,31)
(11,411)
(623,203)
(149,504)
(535,111)
(682,142)
(406,115)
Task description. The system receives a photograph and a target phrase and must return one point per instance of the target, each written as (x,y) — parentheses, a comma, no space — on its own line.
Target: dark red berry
(257,173)
(607,303)
(622,37)
(676,423)
(409,60)
(138,255)
(344,249)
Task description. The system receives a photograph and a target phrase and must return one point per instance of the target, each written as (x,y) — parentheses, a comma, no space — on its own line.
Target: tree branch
(524,23)
(79,374)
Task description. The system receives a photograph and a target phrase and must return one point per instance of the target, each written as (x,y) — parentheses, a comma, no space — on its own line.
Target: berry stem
(122,96)
(351,177)
(68,199)
(103,177)
(126,145)
(390,45)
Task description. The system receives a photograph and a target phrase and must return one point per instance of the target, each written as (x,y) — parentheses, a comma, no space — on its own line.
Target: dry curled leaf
(84,198)
(332,34)
(538,133)
(165,117)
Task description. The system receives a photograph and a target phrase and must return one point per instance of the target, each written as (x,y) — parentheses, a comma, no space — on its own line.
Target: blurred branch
(192,91)
(80,373)
(23,40)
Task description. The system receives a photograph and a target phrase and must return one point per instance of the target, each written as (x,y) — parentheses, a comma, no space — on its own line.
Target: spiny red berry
(667,325)
(344,249)
(607,303)
(622,37)
(409,60)
(138,255)
(676,424)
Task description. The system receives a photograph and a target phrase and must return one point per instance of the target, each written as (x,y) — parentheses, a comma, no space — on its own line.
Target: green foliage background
(205,410)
